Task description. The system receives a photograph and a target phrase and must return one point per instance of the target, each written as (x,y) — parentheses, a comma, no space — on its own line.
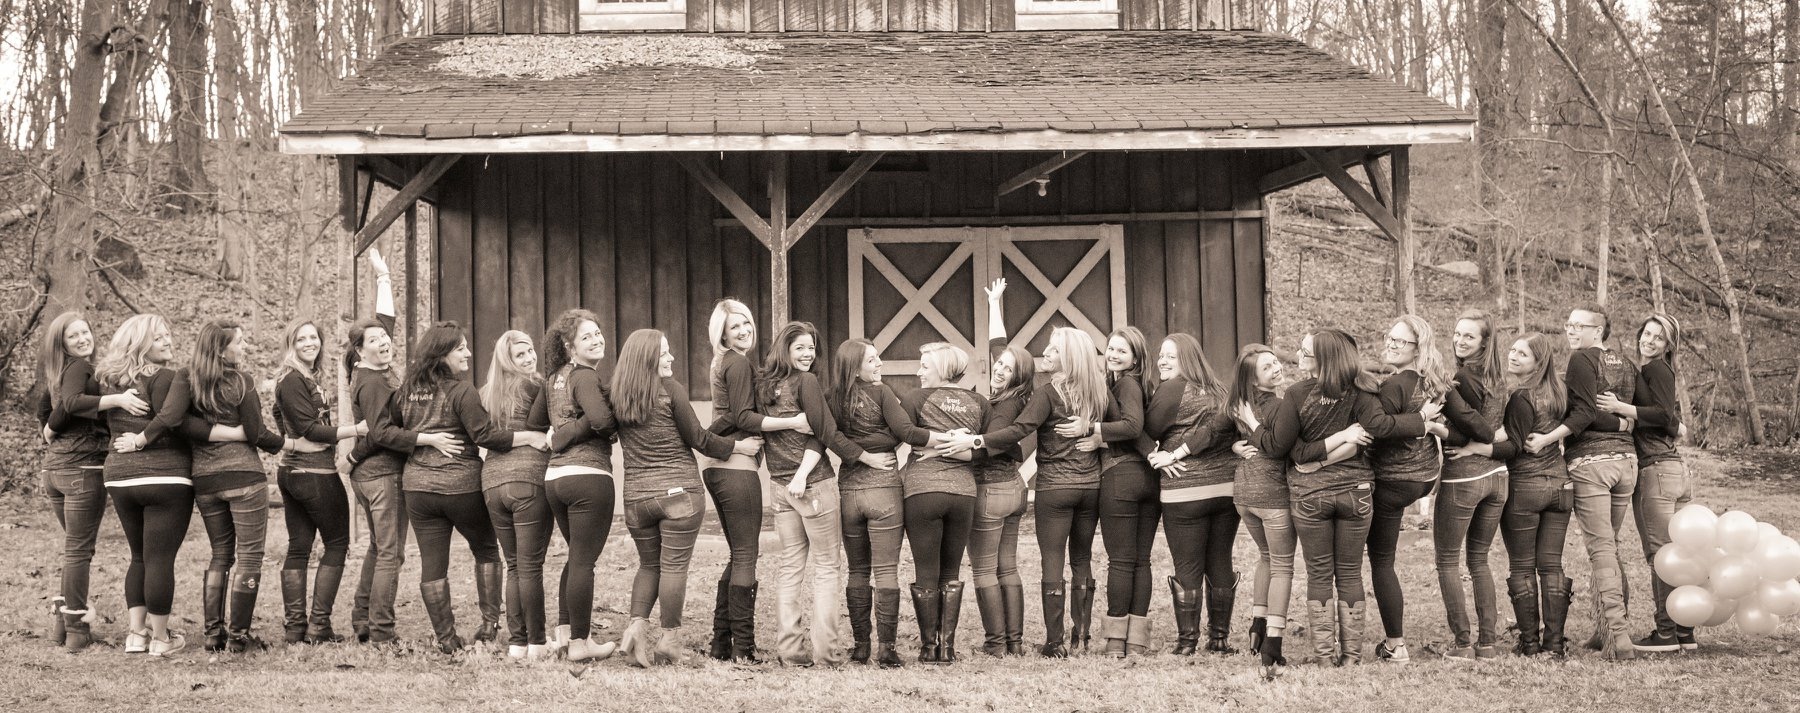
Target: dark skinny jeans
(78,497)
(1465,517)
(1066,520)
(155,520)
(583,508)
(872,520)
(737,496)
(1129,509)
(1200,535)
(314,504)
(434,516)
(522,524)
(938,526)
(664,529)
(1535,526)
(1334,528)
(1392,497)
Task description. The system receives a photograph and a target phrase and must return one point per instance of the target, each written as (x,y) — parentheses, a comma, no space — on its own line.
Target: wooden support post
(779,299)
(721,191)
(1041,171)
(838,189)
(1406,251)
(1377,179)
(411,259)
(1305,170)
(1358,195)
(414,188)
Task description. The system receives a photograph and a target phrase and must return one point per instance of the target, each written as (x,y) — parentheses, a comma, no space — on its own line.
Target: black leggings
(434,516)
(1391,500)
(314,504)
(938,526)
(155,519)
(1200,535)
(737,495)
(1129,510)
(583,508)
(1067,519)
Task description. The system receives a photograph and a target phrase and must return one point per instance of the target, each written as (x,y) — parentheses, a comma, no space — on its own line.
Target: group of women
(1124,437)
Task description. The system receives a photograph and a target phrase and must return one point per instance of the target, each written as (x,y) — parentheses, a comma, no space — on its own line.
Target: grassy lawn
(1734,671)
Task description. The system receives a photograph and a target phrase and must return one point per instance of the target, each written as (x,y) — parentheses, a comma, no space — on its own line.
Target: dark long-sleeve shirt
(301,412)
(659,453)
(1406,458)
(452,407)
(873,421)
(1185,414)
(371,392)
(164,458)
(521,465)
(734,396)
(582,415)
(1473,415)
(224,465)
(1592,432)
(1307,418)
(71,409)
(1522,416)
(799,393)
(1001,465)
(1123,426)
(1061,466)
(942,409)
(1658,414)
(1260,480)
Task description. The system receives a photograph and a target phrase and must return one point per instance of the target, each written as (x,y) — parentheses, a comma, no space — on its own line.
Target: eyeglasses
(1393,343)
(1577,326)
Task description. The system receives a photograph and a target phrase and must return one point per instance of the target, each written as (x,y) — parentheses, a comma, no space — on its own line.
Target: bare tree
(187,183)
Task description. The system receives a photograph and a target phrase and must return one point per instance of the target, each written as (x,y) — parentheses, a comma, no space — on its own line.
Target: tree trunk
(131,66)
(1790,87)
(1487,46)
(77,166)
(1421,49)
(187,185)
(1734,309)
(308,61)
(228,69)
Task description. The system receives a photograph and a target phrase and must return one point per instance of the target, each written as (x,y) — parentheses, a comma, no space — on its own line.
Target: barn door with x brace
(913,286)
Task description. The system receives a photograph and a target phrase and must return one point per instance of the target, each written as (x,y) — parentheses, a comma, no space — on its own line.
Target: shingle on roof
(839,83)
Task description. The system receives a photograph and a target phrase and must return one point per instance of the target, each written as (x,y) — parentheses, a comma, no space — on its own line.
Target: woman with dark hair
(70,413)
(1540,497)
(1332,506)
(444,492)
(375,469)
(148,475)
(736,489)
(1472,495)
(1663,486)
(1259,488)
(1129,492)
(663,503)
(869,416)
(1193,435)
(1406,468)
(512,485)
(940,496)
(1000,493)
(313,498)
(804,494)
(1067,481)
(224,426)
(578,484)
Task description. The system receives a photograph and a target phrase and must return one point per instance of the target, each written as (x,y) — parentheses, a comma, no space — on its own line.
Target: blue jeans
(811,538)
(1663,489)
(1535,524)
(384,504)
(237,524)
(1333,529)
(1273,586)
(522,525)
(1603,492)
(994,539)
(664,528)
(1465,517)
(78,498)
(873,520)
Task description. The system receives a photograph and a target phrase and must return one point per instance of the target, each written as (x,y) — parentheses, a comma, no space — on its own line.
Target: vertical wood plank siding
(631,237)
(458,17)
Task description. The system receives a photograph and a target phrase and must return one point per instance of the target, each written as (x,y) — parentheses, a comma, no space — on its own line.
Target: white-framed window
(1066,14)
(633,15)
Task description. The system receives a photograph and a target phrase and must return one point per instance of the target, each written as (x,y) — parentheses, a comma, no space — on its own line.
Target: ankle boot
(585,649)
(436,595)
(212,605)
(928,606)
(1220,596)
(1556,615)
(669,651)
(1323,627)
(324,598)
(887,624)
(991,604)
(77,629)
(743,624)
(861,603)
(558,640)
(1012,598)
(720,648)
(635,644)
(1137,635)
(293,605)
(490,597)
(1270,651)
(1054,595)
(1113,630)
(1187,618)
(1258,627)
(1523,591)
(1350,632)
(1081,615)
(949,614)
(58,626)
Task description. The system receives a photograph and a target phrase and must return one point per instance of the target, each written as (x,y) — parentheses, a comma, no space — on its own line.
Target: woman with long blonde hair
(1067,481)
(512,485)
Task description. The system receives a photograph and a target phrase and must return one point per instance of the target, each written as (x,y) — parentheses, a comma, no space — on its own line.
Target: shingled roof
(878,85)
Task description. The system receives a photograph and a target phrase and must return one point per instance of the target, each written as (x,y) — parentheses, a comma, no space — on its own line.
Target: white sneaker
(536,652)
(137,642)
(1395,655)
(164,647)
(515,652)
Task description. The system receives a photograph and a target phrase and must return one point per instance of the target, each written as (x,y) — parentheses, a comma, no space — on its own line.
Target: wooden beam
(834,193)
(1044,140)
(779,299)
(1358,195)
(1378,180)
(411,260)
(414,188)
(365,189)
(347,191)
(1305,170)
(1021,220)
(1407,247)
(729,198)
(1042,170)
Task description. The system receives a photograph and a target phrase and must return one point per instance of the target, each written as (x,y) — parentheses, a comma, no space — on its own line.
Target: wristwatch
(980,442)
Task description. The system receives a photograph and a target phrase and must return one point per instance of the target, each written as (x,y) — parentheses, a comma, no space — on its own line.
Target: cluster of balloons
(1729,566)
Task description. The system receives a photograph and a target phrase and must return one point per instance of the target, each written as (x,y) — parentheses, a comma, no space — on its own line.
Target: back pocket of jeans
(680,505)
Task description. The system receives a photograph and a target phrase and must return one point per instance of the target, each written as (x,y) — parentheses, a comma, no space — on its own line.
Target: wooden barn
(866,165)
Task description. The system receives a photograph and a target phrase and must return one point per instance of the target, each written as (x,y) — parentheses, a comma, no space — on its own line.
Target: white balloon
(1736,532)
(1694,526)
(1768,531)
(1778,560)
(1780,598)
